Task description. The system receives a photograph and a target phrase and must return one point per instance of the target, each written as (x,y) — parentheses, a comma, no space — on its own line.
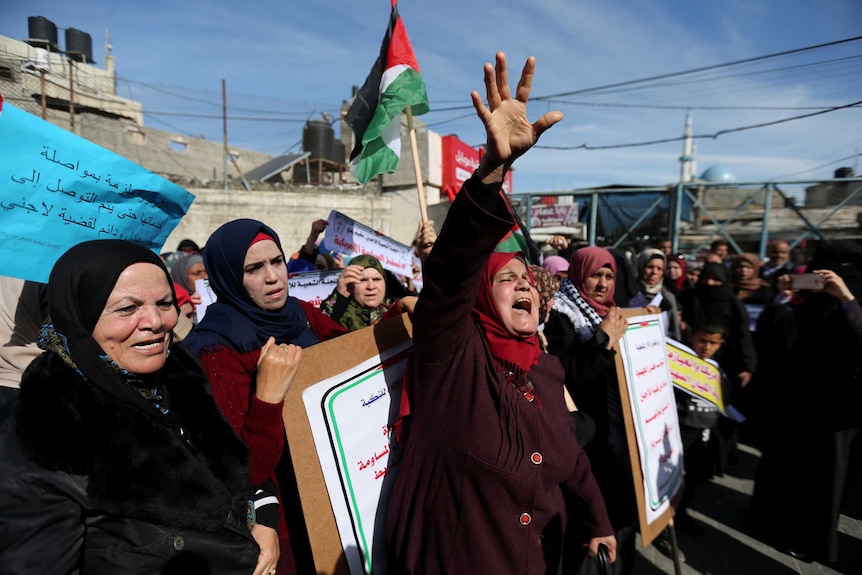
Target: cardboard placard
(652,428)
(319,364)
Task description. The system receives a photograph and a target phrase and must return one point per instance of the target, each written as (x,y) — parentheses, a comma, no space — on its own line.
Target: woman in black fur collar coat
(116,458)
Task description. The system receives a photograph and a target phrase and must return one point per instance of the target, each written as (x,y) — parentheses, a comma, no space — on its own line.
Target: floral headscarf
(357,316)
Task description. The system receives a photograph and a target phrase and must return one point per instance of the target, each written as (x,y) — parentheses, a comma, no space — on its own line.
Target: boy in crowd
(697,420)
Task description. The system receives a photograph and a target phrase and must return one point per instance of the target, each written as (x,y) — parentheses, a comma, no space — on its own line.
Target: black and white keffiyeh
(569,302)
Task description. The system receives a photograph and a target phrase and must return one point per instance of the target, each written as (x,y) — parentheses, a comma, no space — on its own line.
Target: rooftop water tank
(339,152)
(42,33)
(79,45)
(844,172)
(317,138)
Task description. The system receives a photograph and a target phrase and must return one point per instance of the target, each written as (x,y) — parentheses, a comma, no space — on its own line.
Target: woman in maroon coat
(491,458)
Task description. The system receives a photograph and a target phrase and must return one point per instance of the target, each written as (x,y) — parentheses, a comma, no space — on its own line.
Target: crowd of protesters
(517,458)
(792,368)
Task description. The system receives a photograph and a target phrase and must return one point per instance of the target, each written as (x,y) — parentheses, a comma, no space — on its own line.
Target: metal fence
(681,212)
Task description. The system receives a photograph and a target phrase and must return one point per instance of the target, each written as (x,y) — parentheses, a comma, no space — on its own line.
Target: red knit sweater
(259,424)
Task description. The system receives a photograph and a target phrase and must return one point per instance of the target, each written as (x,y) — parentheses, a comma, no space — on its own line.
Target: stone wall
(289,212)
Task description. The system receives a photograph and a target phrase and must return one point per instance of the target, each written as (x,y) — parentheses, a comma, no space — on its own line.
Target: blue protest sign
(58,189)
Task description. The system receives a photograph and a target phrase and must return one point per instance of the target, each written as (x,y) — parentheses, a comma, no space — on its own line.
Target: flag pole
(423,208)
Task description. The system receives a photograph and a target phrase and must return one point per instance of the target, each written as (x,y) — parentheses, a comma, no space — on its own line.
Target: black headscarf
(235,321)
(188,470)
(710,303)
(844,258)
(78,288)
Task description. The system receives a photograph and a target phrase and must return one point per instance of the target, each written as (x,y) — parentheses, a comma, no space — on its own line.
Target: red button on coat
(536,458)
(525,519)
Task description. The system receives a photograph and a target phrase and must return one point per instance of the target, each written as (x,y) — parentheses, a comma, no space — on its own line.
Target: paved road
(721,507)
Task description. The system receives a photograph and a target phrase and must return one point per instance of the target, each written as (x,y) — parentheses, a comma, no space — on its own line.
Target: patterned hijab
(235,321)
(511,352)
(78,289)
(547,285)
(357,316)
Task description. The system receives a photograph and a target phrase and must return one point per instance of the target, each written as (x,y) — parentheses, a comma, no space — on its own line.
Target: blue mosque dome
(718,174)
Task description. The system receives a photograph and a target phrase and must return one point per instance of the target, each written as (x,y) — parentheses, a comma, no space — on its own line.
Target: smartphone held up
(806,282)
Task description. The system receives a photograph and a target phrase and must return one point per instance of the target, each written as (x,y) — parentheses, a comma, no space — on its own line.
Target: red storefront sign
(459,162)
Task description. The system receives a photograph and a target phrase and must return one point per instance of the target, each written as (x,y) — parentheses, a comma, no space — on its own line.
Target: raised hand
(350,276)
(614,325)
(509,133)
(276,369)
(834,285)
(425,238)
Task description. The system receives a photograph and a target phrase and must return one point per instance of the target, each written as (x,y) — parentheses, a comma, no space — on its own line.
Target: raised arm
(509,134)
(479,217)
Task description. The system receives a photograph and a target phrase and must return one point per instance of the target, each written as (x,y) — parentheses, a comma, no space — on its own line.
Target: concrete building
(832,193)
(80,96)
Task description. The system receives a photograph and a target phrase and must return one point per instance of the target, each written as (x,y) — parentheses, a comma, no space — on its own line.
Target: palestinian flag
(518,239)
(514,241)
(375,115)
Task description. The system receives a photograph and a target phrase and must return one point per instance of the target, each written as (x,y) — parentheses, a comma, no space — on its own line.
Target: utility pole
(72,95)
(224,126)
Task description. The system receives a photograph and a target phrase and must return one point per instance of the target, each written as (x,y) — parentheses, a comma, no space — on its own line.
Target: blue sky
(286,62)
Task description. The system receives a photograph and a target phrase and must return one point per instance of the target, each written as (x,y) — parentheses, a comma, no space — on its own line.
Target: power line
(208,102)
(219,117)
(712,136)
(684,107)
(723,79)
(174,128)
(820,167)
(697,70)
(627,83)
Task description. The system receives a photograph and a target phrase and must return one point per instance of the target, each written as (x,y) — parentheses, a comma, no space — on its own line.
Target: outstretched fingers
(481,110)
(502,76)
(492,90)
(546,121)
(525,84)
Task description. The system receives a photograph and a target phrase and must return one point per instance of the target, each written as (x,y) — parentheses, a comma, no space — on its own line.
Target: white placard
(644,358)
(208,297)
(313,287)
(350,238)
(351,416)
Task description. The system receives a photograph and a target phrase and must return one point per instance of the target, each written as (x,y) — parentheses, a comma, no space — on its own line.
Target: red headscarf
(520,353)
(586,262)
(183,296)
(680,259)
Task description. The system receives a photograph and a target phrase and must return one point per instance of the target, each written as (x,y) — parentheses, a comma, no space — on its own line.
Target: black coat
(96,485)
(591,378)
